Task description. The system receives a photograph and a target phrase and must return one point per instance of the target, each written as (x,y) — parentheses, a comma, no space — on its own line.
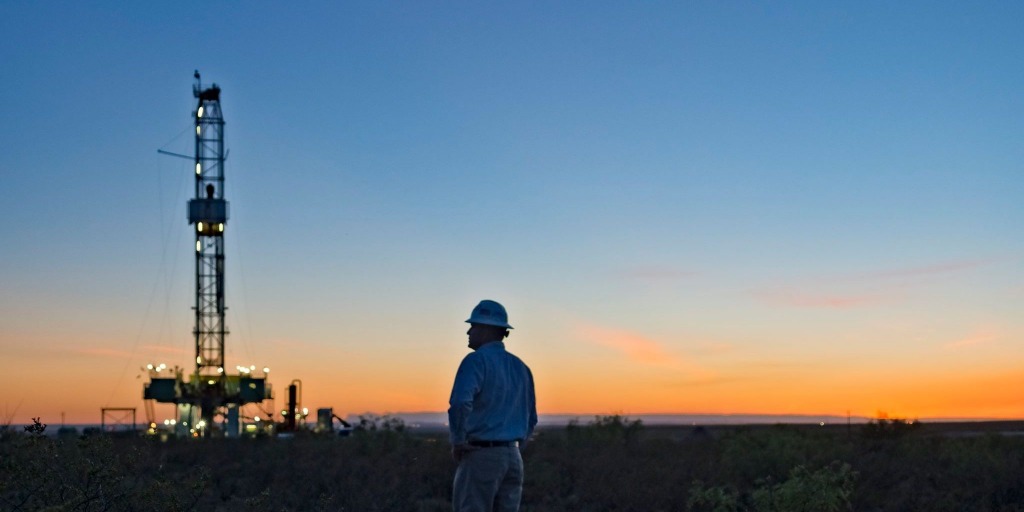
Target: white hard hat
(489,312)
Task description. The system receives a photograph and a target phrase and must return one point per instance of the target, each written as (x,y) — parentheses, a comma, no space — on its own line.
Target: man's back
(493,397)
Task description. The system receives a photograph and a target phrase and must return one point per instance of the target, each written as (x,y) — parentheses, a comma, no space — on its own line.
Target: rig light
(220,227)
(200,113)
(257,418)
(199,168)
(305,411)
(211,382)
(200,226)
(199,246)
(253,367)
(198,130)
(266,370)
(220,370)
(199,359)
(149,366)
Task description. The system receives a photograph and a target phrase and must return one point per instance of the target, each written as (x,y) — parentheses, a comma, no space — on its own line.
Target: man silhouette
(492,413)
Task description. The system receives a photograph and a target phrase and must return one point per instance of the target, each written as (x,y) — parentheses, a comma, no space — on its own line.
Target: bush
(826,490)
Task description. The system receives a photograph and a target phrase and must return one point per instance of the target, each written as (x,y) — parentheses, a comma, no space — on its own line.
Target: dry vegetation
(609,464)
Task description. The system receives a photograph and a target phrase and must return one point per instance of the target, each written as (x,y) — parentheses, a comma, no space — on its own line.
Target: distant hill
(440,419)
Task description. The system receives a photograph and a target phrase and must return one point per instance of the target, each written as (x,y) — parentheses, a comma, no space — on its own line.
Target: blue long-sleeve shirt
(493,397)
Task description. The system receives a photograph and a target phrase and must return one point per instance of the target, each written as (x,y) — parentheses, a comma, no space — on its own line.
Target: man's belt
(491,444)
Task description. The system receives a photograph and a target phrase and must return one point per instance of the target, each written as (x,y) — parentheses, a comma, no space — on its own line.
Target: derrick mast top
(209,140)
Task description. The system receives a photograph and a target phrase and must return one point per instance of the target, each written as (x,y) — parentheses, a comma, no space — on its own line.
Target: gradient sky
(687,207)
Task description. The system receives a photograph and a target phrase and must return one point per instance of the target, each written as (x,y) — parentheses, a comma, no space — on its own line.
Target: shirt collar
(493,345)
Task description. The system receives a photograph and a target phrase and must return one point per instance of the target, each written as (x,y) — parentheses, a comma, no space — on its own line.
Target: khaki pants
(489,480)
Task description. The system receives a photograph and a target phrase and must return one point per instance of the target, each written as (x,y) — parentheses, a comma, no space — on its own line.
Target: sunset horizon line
(809,417)
(438,419)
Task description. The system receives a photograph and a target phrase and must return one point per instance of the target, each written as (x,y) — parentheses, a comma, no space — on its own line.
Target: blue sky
(812,184)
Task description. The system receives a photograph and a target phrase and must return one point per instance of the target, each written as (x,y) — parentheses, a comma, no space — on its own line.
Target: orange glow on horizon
(609,380)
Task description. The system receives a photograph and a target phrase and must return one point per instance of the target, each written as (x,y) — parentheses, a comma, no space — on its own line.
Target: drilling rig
(211,391)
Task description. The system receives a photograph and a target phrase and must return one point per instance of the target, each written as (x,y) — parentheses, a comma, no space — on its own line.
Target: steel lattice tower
(208,213)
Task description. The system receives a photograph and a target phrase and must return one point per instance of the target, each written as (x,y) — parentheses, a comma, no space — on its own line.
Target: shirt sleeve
(466,387)
(532,399)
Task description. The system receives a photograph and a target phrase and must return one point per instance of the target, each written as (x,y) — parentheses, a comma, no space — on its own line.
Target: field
(611,464)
